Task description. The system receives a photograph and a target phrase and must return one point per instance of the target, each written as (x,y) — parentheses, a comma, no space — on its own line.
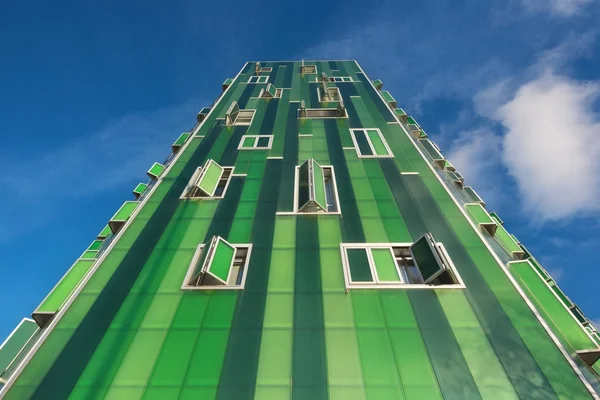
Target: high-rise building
(304,239)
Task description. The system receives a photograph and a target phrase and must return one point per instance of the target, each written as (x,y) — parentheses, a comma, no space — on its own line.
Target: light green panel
(18,338)
(506,240)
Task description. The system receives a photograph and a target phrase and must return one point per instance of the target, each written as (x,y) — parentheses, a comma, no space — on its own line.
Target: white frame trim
(192,184)
(511,278)
(24,345)
(203,173)
(235,123)
(256,137)
(258,81)
(339,94)
(393,285)
(295,206)
(332,79)
(196,257)
(358,152)
(306,66)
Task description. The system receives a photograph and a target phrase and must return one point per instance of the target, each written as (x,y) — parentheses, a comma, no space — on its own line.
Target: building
(305,238)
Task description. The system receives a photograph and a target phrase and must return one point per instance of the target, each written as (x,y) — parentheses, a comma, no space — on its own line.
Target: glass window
(370,143)
(316,191)
(255,142)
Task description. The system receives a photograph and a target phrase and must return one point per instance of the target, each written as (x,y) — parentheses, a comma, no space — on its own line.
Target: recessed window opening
(218,264)
(370,143)
(315,188)
(328,94)
(258,79)
(422,264)
(308,69)
(270,92)
(236,117)
(322,113)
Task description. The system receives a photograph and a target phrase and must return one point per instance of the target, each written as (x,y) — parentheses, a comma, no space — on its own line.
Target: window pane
(221,262)
(363,144)
(253,79)
(198,268)
(248,142)
(319,186)
(210,179)
(380,149)
(359,265)
(425,259)
(385,265)
(263,142)
(303,188)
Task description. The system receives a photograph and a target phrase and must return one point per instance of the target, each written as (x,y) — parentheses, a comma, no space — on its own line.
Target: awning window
(209,178)
(139,189)
(180,141)
(482,218)
(156,170)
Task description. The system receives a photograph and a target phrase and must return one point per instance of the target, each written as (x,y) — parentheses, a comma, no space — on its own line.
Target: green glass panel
(400,112)
(505,240)
(358,261)
(104,233)
(272,90)
(411,120)
(125,211)
(578,314)
(472,195)
(221,261)
(263,142)
(96,244)
(210,178)
(89,254)
(363,143)
(377,142)
(228,82)
(65,287)
(479,214)
(494,215)
(156,170)
(15,342)
(385,265)
(319,183)
(248,142)
(140,188)
(562,296)
(387,96)
(181,140)
(425,259)
(431,150)
(303,185)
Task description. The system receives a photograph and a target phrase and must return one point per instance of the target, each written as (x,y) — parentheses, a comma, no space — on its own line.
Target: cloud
(563,8)
(551,146)
(95,162)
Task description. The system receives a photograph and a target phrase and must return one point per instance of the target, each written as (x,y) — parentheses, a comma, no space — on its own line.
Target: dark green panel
(359,265)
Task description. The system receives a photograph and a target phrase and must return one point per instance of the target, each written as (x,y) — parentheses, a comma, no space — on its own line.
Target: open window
(391,102)
(370,143)
(378,84)
(218,264)
(433,151)
(308,69)
(258,68)
(237,117)
(473,196)
(209,182)
(457,179)
(421,264)
(256,142)
(258,79)
(228,82)
(202,114)
(340,79)
(270,92)
(316,190)
(323,113)
(328,94)
(401,114)
(481,217)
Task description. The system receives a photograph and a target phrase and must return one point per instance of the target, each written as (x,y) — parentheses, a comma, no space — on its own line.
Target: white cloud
(563,8)
(551,146)
(39,185)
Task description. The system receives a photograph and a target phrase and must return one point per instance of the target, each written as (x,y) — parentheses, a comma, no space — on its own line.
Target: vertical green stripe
(238,378)
(309,367)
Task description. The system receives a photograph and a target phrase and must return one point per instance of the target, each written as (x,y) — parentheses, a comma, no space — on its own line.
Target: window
(315,189)
(328,94)
(255,142)
(340,79)
(370,143)
(209,182)
(235,116)
(218,264)
(456,178)
(202,114)
(433,151)
(270,92)
(259,68)
(308,69)
(421,264)
(258,79)
(321,113)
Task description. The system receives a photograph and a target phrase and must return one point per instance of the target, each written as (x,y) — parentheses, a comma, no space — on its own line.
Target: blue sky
(93,92)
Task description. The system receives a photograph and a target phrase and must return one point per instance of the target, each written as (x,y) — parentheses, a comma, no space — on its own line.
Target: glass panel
(248,142)
(377,142)
(18,339)
(318,181)
(253,79)
(347,79)
(263,142)
(385,265)
(210,178)
(303,187)
(197,274)
(363,144)
(431,150)
(424,257)
(221,261)
(358,261)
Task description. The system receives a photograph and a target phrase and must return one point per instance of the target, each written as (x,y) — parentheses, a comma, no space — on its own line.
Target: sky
(92,93)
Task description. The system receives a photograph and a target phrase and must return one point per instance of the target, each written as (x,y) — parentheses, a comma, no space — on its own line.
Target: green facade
(122,325)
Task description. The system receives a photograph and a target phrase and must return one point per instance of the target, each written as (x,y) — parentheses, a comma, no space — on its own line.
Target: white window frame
(192,185)
(359,154)
(196,258)
(337,79)
(329,101)
(296,183)
(376,284)
(302,67)
(258,80)
(256,137)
